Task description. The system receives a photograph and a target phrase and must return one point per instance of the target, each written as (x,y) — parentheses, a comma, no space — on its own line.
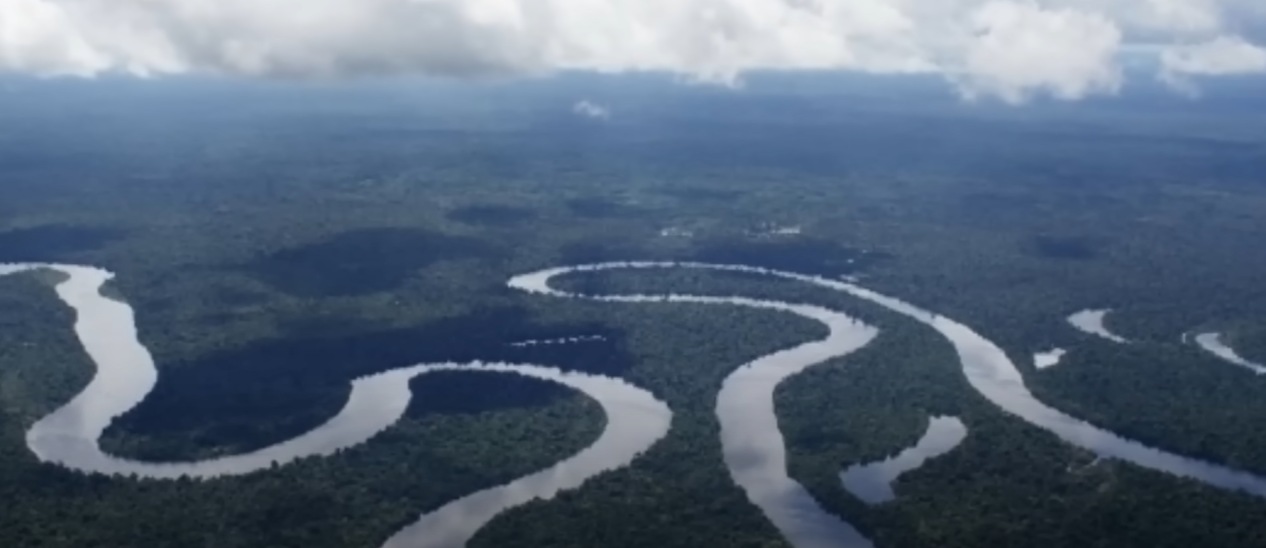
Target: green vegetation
(283,250)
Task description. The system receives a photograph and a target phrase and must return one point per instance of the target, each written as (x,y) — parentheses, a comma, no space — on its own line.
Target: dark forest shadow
(362,261)
(493,215)
(468,393)
(698,193)
(797,254)
(1068,248)
(600,251)
(251,397)
(54,243)
(602,208)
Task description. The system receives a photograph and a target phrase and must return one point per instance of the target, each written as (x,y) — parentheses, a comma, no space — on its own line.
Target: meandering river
(753,446)
(751,442)
(125,374)
(1212,342)
(1091,321)
(873,482)
(988,370)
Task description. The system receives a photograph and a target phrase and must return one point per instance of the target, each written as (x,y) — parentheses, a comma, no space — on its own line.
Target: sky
(1011,50)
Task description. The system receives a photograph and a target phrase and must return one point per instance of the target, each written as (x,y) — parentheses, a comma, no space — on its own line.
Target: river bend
(753,446)
(987,368)
(125,374)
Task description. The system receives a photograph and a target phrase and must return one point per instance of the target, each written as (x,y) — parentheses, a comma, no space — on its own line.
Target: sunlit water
(1212,342)
(125,374)
(1091,321)
(987,369)
(753,446)
(1050,358)
(872,483)
(559,341)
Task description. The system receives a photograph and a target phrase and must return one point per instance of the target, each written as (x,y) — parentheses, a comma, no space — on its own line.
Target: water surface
(125,374)
(1091,321)
(1212,342)
(564,340)
(1050,358)
(752,444)
(994,376)
(873,482)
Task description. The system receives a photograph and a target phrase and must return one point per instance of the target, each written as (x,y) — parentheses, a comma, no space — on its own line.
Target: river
(125,374)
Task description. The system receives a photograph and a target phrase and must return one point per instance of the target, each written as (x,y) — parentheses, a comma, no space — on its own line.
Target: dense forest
(285,247)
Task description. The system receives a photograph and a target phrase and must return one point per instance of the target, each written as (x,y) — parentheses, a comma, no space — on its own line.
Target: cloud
(1020,47)
(1220,56)
(591,110)
(1225,55)
(1011,49)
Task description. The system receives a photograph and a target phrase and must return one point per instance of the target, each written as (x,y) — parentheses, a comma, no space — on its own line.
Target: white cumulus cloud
(1011,49)
(1222,55)
(1225,55)
(1018,47)
(589,109)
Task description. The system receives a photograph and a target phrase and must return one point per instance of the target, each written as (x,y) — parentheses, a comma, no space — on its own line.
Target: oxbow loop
(752,444)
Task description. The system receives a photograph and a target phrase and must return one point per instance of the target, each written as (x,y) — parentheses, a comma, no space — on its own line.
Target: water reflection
(126,374)
(554,342)
(752,445)
(992,374)
(1212,342)
(1050,358)
(873,482)
(1091,321)
(635,421)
